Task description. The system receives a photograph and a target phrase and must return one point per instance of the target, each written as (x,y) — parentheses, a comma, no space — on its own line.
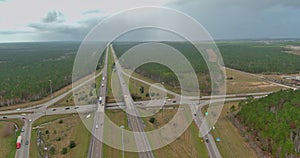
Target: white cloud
(35,19)
(17,15)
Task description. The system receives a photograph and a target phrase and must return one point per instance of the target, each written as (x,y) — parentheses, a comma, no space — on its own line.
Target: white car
(30,120)
(96,126)
(18,109)
(23,114)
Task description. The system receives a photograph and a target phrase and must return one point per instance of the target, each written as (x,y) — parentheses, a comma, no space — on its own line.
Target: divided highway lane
(210,144)
(95,149)
(135,122)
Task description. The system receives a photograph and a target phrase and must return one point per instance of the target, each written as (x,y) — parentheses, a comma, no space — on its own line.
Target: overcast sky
(48,20)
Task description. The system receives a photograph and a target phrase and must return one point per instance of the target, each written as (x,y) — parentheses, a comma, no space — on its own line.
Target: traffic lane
(95,148)
(209,140)
(26,137)
(70,110)
(95,144)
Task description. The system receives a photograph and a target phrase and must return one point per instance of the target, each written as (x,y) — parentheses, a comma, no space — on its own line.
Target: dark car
(27,142)
(206,139)
(53,109)
(67,108)
(4,117)
(76,107)
(174,101)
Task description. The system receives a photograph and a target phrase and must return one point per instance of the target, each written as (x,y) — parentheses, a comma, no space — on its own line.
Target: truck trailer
(19,142)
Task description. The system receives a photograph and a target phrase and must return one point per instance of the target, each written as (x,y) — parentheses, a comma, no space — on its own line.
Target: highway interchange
(95,149)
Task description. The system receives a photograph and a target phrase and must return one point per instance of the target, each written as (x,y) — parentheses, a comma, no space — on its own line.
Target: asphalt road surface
(95,150)
(135,121)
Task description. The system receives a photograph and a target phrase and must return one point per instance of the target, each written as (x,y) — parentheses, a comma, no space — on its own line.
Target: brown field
(161,118)
(59,135)
(232,144)
(245,83)
(189,144)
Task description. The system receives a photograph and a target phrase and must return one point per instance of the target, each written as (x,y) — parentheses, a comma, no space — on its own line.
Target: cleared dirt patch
(239,82)
(212,56)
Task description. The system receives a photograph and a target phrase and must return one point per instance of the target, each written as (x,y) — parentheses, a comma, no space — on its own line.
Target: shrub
(152,120)
(52,150)
(72,144)
(64,151)
(58,139)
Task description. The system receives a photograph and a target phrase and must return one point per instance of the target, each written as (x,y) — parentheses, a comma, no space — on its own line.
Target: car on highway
(53,109)
(23,114)
(96,126)
(67,108)
(206,140)
(76,107)
(102,85)
(4,117)
(30,120)
(27,142)
(18,109)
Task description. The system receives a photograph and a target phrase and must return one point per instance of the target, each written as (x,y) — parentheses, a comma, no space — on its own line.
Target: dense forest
(260,57)
(26,68)
(274,122)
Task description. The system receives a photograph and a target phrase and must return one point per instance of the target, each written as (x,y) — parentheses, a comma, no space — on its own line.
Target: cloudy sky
(56,20)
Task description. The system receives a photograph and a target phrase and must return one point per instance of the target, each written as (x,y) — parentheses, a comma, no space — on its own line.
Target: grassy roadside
(8,137)
(232,144)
